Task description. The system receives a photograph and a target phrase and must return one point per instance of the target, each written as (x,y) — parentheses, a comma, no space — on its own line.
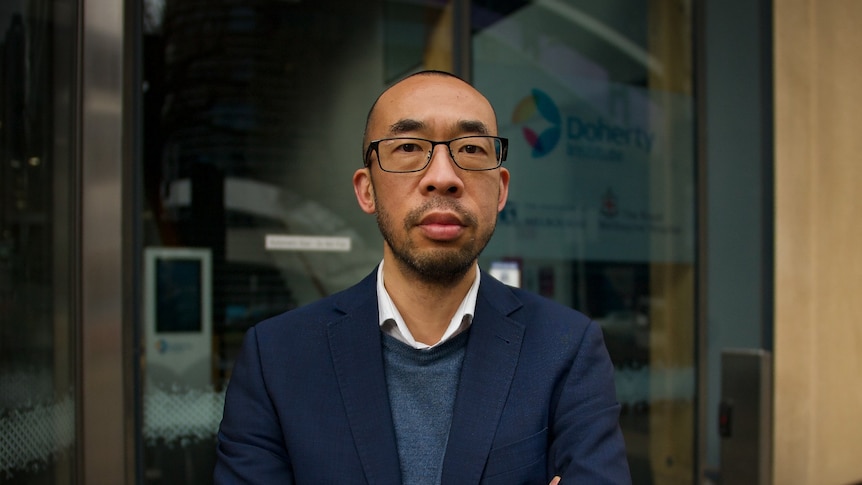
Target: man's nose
(442,175)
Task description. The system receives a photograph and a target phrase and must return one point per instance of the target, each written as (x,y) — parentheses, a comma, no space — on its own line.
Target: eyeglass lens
(412,154)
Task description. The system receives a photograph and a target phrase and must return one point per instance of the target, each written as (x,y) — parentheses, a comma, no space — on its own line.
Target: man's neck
(426,308)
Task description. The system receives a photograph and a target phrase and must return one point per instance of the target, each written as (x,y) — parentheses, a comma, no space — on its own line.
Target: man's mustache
(414,217)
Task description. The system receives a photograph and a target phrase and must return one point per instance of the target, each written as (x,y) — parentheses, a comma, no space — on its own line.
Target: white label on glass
(276,242)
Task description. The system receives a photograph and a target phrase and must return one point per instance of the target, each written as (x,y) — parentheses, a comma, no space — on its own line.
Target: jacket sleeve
(587,444)
(250,447)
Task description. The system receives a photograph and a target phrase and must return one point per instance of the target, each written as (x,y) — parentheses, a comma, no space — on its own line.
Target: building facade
(175,171)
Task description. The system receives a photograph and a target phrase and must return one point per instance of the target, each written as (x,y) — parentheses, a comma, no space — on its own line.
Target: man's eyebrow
(472,126)
(405,126)
(408,125)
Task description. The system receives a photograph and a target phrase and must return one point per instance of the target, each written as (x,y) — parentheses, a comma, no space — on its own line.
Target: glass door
(597,99)
(38,242)
(252,129)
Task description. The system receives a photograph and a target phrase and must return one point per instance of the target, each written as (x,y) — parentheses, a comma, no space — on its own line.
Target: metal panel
(701,301)
(102,392)
(462,60)
(745,417)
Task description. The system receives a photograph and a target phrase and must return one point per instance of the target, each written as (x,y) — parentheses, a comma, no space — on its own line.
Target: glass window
(596,98)
(252,131)
(37,241)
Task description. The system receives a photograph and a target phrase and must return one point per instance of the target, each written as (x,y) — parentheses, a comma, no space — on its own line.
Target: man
(427,371)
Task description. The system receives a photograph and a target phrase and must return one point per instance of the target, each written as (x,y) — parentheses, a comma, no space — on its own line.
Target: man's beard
(438,266)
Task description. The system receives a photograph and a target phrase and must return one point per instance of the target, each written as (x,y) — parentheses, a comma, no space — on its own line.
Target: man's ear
(504,189)
(364,189)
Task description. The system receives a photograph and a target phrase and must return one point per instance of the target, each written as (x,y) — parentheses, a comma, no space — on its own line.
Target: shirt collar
(392,323)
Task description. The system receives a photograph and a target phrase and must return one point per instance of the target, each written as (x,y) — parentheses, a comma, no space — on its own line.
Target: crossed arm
(588,446)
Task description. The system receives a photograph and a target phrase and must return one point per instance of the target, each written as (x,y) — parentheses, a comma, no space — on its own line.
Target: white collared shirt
(392,323)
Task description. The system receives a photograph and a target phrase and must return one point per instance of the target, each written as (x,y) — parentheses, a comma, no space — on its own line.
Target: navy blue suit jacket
(307,402)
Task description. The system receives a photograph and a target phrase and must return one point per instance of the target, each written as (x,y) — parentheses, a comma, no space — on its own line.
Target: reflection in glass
(598,106)
(37,187)
(252,126)
(247,110)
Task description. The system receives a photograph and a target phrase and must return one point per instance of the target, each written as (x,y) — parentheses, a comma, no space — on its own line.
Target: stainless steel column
(102,387)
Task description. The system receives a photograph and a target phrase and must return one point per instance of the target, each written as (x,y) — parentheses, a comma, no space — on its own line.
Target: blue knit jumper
(422,385)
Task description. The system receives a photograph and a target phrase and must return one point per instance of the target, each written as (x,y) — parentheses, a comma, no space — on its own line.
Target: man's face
(437,221)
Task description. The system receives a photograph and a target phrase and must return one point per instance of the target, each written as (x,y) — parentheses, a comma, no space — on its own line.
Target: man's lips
(441,226)
(443,218)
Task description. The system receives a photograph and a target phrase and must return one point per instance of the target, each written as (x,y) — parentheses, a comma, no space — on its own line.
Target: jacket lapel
(357,356)
(486,375)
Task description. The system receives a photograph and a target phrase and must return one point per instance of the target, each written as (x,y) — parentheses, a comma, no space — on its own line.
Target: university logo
(525,112)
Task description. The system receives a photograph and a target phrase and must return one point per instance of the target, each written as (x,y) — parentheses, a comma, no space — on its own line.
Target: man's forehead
(431,88)
(427,102)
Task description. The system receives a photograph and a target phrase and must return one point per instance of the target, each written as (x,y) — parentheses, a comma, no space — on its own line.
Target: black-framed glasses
(405,154)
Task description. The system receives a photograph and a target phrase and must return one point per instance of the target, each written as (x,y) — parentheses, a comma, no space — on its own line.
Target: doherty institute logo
(537,111)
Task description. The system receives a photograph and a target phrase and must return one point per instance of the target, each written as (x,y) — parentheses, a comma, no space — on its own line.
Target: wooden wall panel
(818,223)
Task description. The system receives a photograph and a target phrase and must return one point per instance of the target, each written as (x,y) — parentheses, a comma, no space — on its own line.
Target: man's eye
(408,148)
(472,149)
